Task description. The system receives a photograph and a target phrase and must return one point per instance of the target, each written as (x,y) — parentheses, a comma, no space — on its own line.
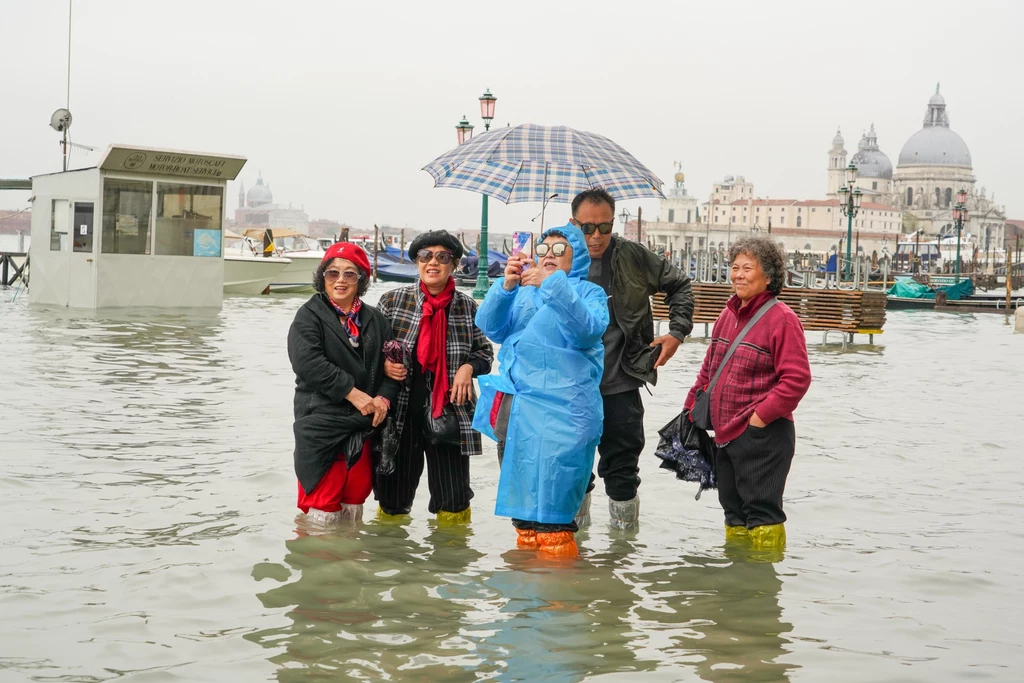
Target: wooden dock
(13,267)
(844,311)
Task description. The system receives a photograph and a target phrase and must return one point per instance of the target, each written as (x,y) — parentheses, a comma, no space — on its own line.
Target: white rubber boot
(583,515)
(323,518)
(625,514)
(351,513)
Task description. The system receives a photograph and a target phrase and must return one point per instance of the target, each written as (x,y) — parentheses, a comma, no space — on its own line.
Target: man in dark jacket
(630,273)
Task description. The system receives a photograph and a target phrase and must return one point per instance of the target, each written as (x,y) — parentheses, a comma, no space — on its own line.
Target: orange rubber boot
(558,543)
(527,538)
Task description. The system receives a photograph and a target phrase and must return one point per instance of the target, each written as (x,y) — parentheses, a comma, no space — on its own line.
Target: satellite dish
(61,120)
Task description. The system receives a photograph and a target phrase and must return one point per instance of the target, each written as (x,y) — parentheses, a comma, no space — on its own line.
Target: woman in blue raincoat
(545,408)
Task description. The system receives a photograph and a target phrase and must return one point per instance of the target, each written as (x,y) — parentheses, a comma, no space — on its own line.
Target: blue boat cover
(551,361)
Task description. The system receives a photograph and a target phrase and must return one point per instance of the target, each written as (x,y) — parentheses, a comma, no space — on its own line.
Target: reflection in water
(371,602)
(721,614)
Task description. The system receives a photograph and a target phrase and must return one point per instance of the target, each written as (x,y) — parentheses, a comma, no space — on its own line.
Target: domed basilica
(934,164)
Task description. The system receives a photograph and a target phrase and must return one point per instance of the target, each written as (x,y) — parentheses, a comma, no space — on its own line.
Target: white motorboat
(249,273)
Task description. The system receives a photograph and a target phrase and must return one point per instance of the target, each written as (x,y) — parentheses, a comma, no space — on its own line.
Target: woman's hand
(513,273)
(380,410)
(756,421)
(533,277)
(362,401)
(395,371)
(462,387)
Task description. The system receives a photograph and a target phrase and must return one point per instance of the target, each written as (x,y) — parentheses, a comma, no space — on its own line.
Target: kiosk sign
(172,163)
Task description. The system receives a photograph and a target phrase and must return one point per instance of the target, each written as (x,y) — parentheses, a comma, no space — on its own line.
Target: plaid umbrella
(529,163)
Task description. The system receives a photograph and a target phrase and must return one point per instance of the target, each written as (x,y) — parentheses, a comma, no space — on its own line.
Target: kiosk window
(59,225)
(82,227)
(127,205)
(188,220)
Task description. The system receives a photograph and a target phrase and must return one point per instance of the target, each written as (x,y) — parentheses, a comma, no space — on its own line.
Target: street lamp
(959,218)
(849,202)
(487,102)
(624,219)
(464,130)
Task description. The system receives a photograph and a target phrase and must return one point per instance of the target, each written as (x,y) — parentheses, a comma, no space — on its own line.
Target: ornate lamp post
(959,218)
(487,101)
(849,202)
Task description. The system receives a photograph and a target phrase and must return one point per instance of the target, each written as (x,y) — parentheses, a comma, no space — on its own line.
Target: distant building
(14,221)
(256,209)
(322,227)
(934,164)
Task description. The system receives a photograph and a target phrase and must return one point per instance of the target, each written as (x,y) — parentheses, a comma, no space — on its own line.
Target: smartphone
(522,243)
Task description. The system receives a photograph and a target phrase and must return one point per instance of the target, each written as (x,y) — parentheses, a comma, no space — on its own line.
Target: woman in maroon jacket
(753,401)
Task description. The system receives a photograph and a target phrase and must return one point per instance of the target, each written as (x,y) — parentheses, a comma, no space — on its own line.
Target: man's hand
(395,371)
(513,272)
(669,344)
(462,387)
(362,401)
(756,421)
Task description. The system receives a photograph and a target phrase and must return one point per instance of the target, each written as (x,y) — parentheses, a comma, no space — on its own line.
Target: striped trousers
(447,474)
(751,471)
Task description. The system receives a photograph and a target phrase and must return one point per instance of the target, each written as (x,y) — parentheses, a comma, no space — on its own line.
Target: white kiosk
(144,228)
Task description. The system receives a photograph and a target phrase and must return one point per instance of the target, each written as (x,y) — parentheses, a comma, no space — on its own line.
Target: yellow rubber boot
(463,517)
(393,519)
(735,534)
(527,538)
(768,537)
(561,543)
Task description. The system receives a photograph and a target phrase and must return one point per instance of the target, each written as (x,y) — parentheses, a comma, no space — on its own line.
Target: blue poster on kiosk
(206,243)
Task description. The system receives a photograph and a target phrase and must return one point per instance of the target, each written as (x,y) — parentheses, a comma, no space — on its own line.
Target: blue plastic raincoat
(551,361)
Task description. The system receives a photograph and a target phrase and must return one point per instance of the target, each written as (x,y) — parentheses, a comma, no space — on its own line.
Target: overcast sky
(341,103)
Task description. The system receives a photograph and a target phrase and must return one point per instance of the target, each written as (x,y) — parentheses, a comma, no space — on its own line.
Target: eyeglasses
(443,257)
(557,249)
(603,228)
(349,276)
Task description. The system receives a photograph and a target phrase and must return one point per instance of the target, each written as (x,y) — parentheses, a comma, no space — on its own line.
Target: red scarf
(432,347)
(351,319)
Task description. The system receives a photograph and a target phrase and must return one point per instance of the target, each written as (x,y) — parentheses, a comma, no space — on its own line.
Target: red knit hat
(351,252)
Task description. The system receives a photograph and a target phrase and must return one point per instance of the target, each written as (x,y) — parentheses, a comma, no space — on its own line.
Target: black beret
(442,237)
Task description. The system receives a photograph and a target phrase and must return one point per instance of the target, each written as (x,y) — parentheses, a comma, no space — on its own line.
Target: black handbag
(700,412)
(443,430)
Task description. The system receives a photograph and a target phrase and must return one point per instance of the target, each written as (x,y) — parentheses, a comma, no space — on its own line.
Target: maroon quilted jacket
(769,372)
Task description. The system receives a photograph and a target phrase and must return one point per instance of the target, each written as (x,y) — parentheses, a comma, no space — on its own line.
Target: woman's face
(748,278)
(433,273)
(341,281)
(549,263)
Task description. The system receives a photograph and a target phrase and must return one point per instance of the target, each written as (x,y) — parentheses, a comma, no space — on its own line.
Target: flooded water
(149,531)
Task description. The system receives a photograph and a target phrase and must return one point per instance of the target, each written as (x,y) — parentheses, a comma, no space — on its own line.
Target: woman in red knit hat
(336,345)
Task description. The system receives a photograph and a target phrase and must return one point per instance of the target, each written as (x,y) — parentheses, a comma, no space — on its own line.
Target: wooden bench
(844,311)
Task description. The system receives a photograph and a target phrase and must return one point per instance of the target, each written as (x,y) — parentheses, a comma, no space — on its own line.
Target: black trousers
(618,454)
(752,470)
(447,467)
(500,431)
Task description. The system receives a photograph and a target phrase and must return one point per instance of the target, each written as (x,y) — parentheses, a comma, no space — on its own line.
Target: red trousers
(341,485)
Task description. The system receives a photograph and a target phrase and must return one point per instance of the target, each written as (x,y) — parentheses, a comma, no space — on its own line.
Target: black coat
(327,367)
(637,274)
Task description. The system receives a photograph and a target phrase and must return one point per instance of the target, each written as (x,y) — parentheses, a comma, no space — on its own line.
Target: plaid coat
(404,308)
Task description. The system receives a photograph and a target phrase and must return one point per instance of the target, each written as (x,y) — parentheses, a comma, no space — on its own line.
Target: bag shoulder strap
(736,342)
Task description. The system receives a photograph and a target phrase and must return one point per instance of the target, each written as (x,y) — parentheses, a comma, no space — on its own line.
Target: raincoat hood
(580,254)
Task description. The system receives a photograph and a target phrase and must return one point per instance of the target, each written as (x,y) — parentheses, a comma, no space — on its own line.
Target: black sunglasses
(443,257)
(558,249)
(589,228)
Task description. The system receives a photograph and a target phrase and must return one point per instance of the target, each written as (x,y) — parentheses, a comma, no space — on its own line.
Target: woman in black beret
(444,351)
